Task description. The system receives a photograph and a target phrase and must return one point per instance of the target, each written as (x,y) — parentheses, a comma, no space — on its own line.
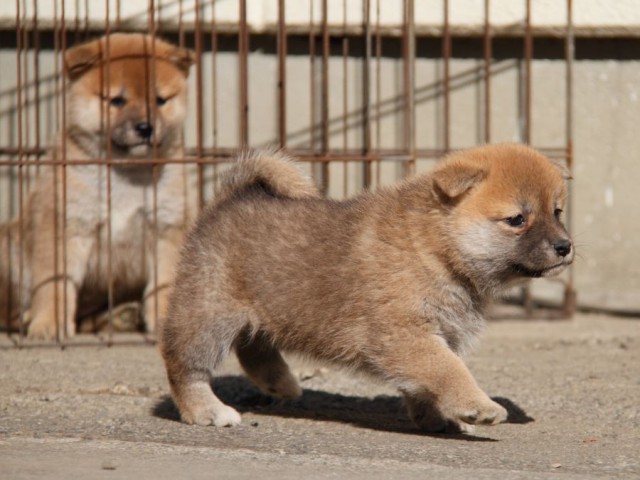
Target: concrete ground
(572,389)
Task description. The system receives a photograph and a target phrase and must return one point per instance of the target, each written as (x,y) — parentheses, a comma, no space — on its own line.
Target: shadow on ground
(382,412)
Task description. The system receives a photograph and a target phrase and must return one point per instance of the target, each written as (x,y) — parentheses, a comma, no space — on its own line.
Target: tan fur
(94,80)
(391,283)
(281,178)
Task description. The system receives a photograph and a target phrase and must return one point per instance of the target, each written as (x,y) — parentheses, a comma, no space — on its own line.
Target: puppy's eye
(516,221)
(118,101)
(557,212)
(160,101)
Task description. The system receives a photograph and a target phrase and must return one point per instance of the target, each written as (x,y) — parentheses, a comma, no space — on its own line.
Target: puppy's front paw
(217,415)
(488,413)
(44,328)
(425,415)
(480,410)
(41,331)
(452,416)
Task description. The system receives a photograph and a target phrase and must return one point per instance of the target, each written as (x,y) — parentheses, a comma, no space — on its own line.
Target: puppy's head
(503,205)
(127,90)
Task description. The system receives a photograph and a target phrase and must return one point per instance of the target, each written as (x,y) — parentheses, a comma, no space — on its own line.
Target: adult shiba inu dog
(126,102)
(392,283)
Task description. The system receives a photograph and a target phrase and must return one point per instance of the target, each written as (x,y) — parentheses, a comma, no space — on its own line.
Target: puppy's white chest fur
(133,202)
(126,203)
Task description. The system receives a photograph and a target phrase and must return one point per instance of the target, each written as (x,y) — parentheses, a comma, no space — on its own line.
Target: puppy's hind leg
(264,365)
(192,350)
(199,405)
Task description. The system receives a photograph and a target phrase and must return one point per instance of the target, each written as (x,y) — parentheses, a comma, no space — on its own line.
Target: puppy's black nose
(562,247)
(144,129)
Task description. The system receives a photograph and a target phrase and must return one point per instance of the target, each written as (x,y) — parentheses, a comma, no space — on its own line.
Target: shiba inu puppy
(126,102)
(392,283)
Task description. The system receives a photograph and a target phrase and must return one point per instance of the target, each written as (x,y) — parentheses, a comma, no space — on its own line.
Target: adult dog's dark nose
(562,247)
(144,130)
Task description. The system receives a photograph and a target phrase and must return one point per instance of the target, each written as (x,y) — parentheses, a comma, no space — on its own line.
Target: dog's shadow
(383,412)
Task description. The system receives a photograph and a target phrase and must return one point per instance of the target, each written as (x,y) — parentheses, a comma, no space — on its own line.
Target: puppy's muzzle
(144,130)
(562,247)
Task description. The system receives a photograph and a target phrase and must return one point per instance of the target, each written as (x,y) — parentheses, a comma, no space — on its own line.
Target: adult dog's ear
(455,177)
(79,59)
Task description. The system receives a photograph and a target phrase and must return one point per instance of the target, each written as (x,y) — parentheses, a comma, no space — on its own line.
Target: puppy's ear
(182,58)
(564,170)
(78,60)
(454,178)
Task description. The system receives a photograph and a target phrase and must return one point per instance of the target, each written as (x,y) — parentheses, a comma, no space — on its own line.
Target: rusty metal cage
(361,100)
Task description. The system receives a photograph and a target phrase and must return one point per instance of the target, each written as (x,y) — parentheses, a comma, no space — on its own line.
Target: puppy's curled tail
(269,171)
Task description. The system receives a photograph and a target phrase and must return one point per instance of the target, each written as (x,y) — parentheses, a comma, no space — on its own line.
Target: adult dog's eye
(118,101)
(557,212)
(160,101)
(516,221)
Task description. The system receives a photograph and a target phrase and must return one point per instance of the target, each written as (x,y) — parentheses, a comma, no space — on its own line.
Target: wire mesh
(362,101)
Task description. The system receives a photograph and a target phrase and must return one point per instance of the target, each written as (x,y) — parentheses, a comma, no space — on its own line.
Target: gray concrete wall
(607,223)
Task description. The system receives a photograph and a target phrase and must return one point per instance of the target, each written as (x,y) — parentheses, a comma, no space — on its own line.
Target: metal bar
(282,74)
(20,174)
(570,293)
(243,47)
(569,58)
(118,11)
(85,27)
(26,116)
(446,56)
(510,31)
(408,58)
(80,342)
(353,157)
(228,155)
(312,82)
(488,55)
(65,286)
(153,108)
(406,94)
(76,22)
(378,86)
(214,87)
(181,29)
(76,26)
(528,54)
(213,156)
(108,156)
(102,160)
(60,115)
(325,97)
(345,98)
(36,74)
(367,173)
(199,106)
